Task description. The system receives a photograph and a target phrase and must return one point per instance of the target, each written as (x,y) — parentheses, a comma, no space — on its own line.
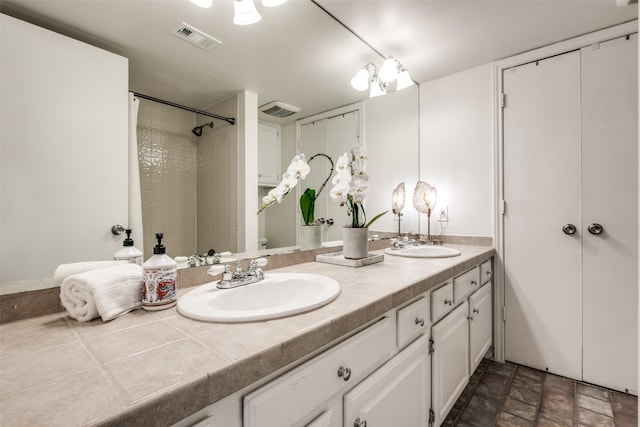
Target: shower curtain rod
(229,120)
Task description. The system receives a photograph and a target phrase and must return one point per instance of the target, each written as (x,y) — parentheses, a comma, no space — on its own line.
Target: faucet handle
(214,270)
(261,262)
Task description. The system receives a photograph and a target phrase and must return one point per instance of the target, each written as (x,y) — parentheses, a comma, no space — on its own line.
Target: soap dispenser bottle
(128,252)
(160,272)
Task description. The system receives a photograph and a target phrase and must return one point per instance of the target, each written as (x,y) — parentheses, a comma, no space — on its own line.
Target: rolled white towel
(65,270)
(106,292)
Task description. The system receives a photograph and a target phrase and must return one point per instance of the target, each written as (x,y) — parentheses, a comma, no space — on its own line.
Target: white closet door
(542,193)
(610,198)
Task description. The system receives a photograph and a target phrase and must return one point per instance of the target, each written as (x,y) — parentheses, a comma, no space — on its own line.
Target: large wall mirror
(298,54)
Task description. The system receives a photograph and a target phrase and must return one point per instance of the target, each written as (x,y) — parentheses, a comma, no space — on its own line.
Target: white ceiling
(301,55)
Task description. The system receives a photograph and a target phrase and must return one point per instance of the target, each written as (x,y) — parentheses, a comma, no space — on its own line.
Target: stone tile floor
(510,395)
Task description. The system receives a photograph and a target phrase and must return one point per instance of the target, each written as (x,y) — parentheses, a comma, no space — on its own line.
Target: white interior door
(610,198)
(543,326)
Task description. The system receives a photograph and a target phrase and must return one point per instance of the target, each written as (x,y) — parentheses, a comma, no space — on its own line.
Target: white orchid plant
(350,186)
(297,170)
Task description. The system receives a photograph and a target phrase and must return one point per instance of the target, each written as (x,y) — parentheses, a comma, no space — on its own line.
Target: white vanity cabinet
(461,335)
(308,394)
(480,331)
(450,360)
(397,394)
(268,154)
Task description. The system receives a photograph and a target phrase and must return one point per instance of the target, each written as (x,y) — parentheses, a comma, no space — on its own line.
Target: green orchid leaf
(307,205)
(375,218)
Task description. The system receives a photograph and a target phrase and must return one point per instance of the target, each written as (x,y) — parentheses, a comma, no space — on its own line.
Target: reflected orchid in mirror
(298,169)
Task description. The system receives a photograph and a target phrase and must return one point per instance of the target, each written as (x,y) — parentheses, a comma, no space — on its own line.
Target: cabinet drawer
(288,399)
(486,272)
(413,320)
(441,301)
(466,283)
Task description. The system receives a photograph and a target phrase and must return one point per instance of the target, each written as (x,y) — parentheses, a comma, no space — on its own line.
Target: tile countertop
(154,368)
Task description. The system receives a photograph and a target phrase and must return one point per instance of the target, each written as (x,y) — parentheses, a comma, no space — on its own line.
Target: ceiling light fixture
(245,12)
(369,77)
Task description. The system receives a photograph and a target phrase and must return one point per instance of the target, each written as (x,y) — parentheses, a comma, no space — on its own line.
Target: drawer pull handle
(419,321)
(448,302)
(475,310)
(360,423)
(488,272)
(473,282)
(344,373)
(470,318)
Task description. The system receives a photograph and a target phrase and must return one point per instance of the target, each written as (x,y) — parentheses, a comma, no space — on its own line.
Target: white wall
(391,124)
(456,149)
(64,153)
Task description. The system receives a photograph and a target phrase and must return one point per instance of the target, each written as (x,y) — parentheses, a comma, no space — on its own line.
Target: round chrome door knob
(595,228)
(344,373)
(569,229)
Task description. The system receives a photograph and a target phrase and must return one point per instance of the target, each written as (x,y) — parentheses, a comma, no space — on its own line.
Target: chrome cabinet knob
(595,228)
(448,302)
(344,373)
(359,423)
(474,282)
(420,321)
(470,318)
(569,229)
(475,310)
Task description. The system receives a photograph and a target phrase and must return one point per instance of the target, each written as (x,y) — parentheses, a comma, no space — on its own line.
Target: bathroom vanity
(399,329)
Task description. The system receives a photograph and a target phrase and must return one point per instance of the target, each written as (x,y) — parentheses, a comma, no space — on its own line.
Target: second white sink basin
(424,252)
(278,295)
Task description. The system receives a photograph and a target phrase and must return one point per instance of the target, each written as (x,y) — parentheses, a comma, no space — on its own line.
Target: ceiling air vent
(195,36)
(279,109)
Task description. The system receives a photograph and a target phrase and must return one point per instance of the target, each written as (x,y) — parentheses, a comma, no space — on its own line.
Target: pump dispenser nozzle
(159,248)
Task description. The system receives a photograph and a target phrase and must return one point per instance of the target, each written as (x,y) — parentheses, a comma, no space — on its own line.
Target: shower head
(197,131)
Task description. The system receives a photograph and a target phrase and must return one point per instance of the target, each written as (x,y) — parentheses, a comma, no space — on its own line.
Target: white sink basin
(278,295)
(424,252)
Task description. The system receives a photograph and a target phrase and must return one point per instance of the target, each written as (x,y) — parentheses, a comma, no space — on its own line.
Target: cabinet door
(610,197)
(397,394)
(268,154)
(480,331)
(450,360)
(543,297)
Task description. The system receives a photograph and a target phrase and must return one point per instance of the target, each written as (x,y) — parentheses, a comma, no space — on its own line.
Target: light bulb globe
(245,12)
(361,80)
(389,70)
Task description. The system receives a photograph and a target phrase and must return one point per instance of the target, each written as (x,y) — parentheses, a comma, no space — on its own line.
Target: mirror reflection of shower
(197,131)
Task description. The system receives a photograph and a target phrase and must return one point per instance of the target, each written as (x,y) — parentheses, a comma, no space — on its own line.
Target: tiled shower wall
(218,182)
(167,159)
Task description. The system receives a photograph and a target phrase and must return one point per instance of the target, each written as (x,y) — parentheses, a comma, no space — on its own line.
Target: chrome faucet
(232,279)
(403,242)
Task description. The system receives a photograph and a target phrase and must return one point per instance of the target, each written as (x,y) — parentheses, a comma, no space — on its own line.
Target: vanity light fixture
(245,12)
(397,202)
(378,80)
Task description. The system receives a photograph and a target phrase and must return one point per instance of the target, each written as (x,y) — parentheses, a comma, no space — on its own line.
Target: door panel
(610,198)
(542,193)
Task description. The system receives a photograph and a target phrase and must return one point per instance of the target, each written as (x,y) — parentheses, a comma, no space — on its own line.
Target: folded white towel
(65,270)
(106,292)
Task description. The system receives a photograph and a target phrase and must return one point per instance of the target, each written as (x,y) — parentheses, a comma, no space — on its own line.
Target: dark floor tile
(543,422)
(557,407)
(560,384)
(466,394)
(509,420)
(481,411)
(475,378)
(624,403)
(484,363)
(626,420)
(493,385)
(596,405)
(525,391)
(530,374)
(590,418)
(521,409)
(593,391)
(505,369)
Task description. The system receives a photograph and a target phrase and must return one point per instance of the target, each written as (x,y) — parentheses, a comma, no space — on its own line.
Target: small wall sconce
(425,197)
(397,202)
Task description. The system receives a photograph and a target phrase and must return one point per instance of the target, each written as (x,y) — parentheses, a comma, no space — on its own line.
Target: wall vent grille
(195,37)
